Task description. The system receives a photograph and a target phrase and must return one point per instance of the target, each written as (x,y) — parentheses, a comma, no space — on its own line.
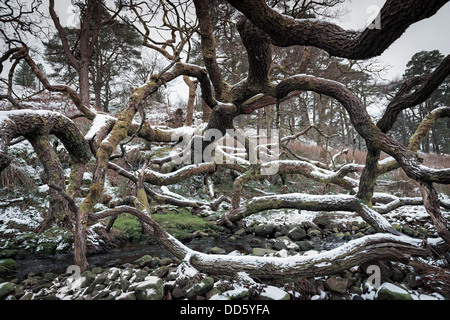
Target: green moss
(130,227)
(183,223)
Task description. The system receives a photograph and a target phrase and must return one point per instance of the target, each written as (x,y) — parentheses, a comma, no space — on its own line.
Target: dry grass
(319,153)
(394,182)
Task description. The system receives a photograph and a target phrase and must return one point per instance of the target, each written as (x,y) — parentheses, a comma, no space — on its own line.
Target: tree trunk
(53,172)
(83,83)
(191,101)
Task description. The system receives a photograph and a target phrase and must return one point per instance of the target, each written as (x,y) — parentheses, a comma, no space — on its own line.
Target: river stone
(6,288)
(337,284)
(87,278)
(46,248)
(217,250)
(274,293)
(113,273)
(7,267)
(199,288)
(127,296)
(256,242)
(313,232)
(150,289)
(160,272)
(144,261)
(262,251)
(304,245)
(284,243)
(296,234)
(389,291)
(237,294)
(264,230)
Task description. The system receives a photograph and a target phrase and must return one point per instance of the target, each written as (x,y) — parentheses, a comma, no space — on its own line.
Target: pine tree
(25,76)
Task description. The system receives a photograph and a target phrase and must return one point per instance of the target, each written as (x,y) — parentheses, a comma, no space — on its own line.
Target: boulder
(46,248)
(274,293)
(337,284)
(87,278)
(304,245)
(262,251)
(198,288)
(6,288)
(284,243)
(7,267)
(313,232)
(296,234)
(217,250)
(264,230)
(389,291)
(144,261)
(150,289)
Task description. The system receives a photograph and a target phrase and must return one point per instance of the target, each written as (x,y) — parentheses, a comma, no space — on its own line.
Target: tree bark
(284,31)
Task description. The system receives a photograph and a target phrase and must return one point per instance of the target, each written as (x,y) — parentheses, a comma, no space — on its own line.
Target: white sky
(429,34)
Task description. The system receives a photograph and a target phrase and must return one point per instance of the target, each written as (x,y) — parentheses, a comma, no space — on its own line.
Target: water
(128,253)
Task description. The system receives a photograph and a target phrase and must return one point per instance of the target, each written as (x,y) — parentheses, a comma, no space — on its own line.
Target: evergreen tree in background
(116,53)
(423,63)
(25,76)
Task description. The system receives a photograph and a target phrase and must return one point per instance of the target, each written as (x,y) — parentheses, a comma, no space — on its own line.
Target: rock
(177,293)
(8,253)
(284,243)
(397,275)
(7,267)
(166,261)
(217,250)
(356,290)
(296,234)
(339,236)
(422,231)
(262,251)
(264,230)
(97,270)
(151,289)
(212,292)
(160,272)
(389,291)
(239,232)
(199,288)
(144,261)
(274,293)
(155,262)
(46,248)
(237,294)
(337,284)
(112,274)
(124,284)
(6,288)
(256,242)
(49,277)
(313,232)
(27,296)
(358,235)
(127,296)
(408,230)
(87,278)
(304,245)
(324,220)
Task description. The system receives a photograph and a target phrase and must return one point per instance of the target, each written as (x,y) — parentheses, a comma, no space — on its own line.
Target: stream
(131,251)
